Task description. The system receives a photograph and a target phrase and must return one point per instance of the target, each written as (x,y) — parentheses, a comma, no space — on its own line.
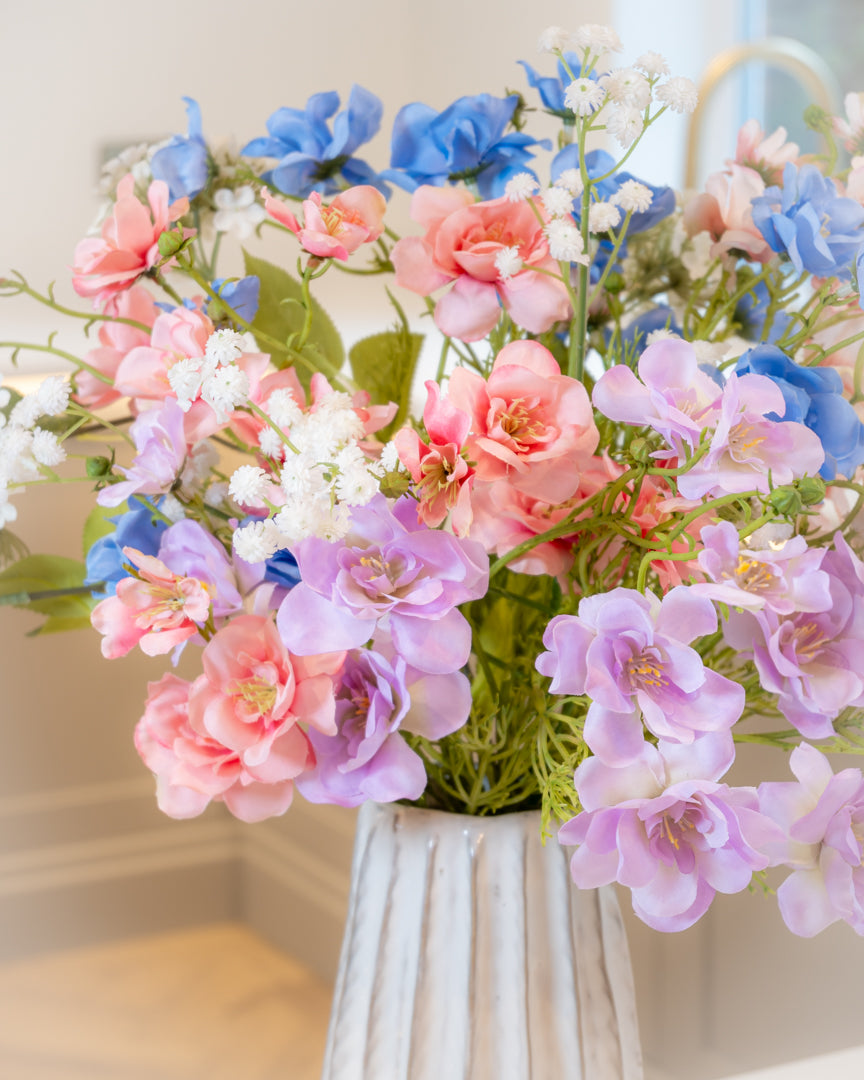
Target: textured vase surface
(468,955)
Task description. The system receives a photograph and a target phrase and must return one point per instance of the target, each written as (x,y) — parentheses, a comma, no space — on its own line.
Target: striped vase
(468,955)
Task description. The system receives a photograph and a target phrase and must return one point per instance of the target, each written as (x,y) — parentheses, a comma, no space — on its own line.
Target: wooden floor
(214,1003)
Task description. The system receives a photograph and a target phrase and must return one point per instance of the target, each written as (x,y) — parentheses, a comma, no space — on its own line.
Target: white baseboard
(98,862)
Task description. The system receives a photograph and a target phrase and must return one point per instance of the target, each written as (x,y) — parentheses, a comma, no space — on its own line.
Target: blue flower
(283,569)
(136,528)
(552,90)
(814,397)
(464,142)
(184,163)
(658,318)
(750,314)
(807,220)
(599,163)
(311,158)
(241,294)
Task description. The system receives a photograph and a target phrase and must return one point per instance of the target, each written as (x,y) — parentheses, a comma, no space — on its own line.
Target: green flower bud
(98,467)
(171,242)
(812,490)
(786,500)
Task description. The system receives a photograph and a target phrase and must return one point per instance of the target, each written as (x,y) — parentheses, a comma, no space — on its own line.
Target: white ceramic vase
(468,955)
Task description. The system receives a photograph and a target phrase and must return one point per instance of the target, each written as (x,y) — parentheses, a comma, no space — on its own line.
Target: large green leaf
(51,585)
(97,525)
(281,314)
(384,364)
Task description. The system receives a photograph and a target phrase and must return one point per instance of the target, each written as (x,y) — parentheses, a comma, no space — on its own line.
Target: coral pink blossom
(334,231)
(143,374)
(767,154)
(116,340)
(235,735)
(442,476)
(157,610)
(724,210)
(129,245)
(530,424)
(462,241)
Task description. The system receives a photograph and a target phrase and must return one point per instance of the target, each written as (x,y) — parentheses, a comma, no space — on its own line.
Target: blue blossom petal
(184,164)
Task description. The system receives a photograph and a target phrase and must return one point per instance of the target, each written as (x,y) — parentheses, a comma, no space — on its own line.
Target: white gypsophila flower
(389,461)
(201,460)
(597,38)
(186,377)
(114,170)
(521,187)
(302,476)
(679,93)
(508,262)
(558,201)
(283,409)
(270,444)
(709,352)
(356,485)
(625,125)
(584,96)
(626,86)
(335,412)
(53,395)
(663,334)
(554,39)
(319,517)
(602,217)
(248,485)
(256,541)
(224,346)
(652,63)
(17,464)
(172,508)
(571,179)
(633,196)
(46,448)
(26,412)
(225,390)
(237,211)
(565,242)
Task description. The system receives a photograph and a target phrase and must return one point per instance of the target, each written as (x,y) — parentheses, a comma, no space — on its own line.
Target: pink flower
(234,735)
(851,129)
(129,243)
(766,154)
(442,476)
(116,340)
(354,217)
(462,241)
(724,210)
(530,425)
(143,373)
(157,610)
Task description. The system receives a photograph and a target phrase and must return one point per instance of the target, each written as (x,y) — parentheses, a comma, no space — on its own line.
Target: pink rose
(530,425)
(461,243)
(354,217)
(725,211)
(143,373)
(129,245)
(235,734)
(116,340)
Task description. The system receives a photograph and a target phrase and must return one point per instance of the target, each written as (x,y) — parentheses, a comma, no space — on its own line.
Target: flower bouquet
(621,539)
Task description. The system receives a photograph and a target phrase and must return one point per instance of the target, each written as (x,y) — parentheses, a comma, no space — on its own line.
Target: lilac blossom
(630,653)
(811,660)
(665,828)
(368,758)
(389,567)
(822,817)
(748,451)
(772,570)
(161,444)
(672,397)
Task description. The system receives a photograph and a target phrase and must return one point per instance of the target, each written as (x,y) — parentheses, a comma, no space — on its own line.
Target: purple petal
(308,624)
(437,646)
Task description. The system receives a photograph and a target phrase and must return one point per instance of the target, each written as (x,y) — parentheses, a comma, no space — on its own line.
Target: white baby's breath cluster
(26,448)
(213,377)
(321,475)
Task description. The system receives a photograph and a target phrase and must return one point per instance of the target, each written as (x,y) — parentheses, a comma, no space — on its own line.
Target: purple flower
(811,660)
(391,568)
(746,446)
(822,817)
(807,220)
(161,445)
(666,829)
(630,654)
(771,571)
(368,758)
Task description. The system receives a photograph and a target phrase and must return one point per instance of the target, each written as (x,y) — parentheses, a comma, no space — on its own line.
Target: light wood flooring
(211,1003)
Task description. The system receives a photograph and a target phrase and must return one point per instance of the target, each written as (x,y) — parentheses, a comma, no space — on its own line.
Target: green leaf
(281,314)
(57,625)
(51,585)
(384,364)
(97,525)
